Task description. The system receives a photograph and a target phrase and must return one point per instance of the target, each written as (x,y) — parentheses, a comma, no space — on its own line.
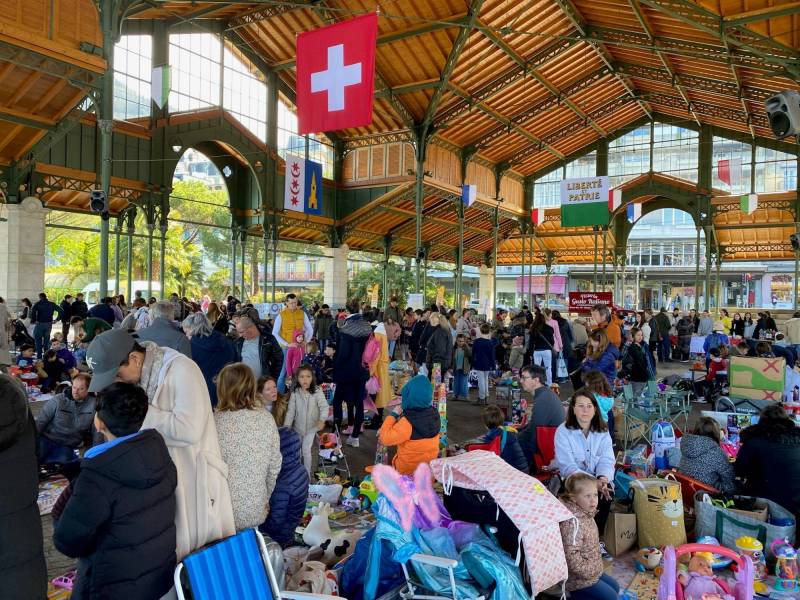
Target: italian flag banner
(584,202)
(748,203)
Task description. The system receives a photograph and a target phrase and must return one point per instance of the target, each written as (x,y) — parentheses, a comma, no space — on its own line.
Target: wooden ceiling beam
(49,95)
(450,64)
(642,18)
(27,119)
(7,138)
(512,54)
(579,23)
(23,88)
(762,14)
(503,81)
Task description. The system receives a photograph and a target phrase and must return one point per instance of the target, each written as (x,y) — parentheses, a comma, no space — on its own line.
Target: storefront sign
(584,301)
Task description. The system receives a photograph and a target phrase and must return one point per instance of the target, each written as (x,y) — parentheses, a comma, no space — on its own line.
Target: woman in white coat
(583,445)
(180,410)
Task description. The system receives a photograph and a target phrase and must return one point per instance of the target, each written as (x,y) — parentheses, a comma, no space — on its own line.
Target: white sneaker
(351,441)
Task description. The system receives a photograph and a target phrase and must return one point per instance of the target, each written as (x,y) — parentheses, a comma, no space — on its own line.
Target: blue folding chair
(234,568)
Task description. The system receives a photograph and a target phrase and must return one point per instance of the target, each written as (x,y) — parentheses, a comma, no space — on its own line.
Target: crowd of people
(201,419)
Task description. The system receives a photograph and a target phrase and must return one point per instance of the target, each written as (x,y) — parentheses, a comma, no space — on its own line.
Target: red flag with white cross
(336,75)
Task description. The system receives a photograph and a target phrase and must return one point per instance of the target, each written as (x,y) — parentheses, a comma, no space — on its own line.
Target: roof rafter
(711,23)
(762,14)
(579,23)
(512,54)
(624,38)
(532,111)
(720,112)
(506,123)
(694,82)
(450,64)
(504,81)
(642,18)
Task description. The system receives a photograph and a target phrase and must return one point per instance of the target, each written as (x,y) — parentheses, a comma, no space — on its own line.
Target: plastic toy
(787,578)
(670,588)
(648,559)
(751,547)
(719,562)
(65,581)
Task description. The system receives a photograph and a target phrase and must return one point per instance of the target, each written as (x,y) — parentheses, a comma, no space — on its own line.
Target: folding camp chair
(234,568)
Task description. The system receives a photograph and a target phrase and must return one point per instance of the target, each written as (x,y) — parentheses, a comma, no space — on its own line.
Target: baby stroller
(332,459)
(669,588)
(20,334)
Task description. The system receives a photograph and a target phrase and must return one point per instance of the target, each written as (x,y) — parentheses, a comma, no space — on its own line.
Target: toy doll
(699,582)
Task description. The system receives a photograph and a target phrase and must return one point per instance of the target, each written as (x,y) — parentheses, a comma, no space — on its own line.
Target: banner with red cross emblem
(336,75)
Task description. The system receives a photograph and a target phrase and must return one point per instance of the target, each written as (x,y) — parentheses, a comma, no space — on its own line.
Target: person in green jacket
(91,326)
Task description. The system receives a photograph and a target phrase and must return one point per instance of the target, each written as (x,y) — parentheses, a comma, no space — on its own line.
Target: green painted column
(243,247)
(419,199)
(150,230)
(495,242)
(105,121)
(131,229)
(697,266)
(162,272)
(594,284)
(234,235)
(605,235)
(709,258)
(460,256)
(117,237)
(387,249)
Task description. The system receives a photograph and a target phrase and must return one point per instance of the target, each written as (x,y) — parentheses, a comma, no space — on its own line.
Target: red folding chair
(545,453)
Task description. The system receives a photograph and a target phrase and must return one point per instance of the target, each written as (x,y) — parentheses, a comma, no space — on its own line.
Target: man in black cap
(180,410)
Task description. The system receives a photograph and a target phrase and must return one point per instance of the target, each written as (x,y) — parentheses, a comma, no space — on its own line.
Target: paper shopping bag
(620,534)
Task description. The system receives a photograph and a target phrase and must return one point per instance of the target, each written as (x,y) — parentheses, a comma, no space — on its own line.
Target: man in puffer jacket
(415,431)
(288,501)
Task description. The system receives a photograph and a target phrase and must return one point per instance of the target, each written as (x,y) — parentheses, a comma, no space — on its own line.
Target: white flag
(294,188)
(160,85)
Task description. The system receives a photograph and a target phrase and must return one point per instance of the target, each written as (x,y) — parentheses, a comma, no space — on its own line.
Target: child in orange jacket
(414,428)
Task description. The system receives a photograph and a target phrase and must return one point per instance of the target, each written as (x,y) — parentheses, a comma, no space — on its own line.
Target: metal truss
(261,14)
(506,123)
(710,110)
(770,51)
(783,247)
(397,199)
(571,12)
(377,139)
(512,54)
(83,79)
(504,81)
(763,203)
(552,101)
(450,65)
(573,127)
(57,183)
(694,82)
(708,52)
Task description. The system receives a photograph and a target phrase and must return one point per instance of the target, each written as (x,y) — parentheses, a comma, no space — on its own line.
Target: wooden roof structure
(520,85)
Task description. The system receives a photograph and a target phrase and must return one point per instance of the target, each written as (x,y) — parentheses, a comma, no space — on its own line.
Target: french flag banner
(537,216)
(469,193)
(614,199)
(634,212)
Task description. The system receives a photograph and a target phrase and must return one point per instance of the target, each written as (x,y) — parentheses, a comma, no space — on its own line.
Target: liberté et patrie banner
(584,201)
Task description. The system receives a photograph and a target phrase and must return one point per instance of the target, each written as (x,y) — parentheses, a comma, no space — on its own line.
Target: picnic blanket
(533,509)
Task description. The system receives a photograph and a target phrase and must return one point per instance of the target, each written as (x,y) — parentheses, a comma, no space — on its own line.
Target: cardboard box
(761,513)
(762,374)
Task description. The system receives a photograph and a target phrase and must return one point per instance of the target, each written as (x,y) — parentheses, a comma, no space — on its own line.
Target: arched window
(244,92)
(195,60)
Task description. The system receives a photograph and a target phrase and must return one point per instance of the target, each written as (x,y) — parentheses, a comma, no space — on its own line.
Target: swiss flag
(335,75)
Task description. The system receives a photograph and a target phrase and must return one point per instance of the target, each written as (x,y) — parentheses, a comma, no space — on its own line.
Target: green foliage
(401,280)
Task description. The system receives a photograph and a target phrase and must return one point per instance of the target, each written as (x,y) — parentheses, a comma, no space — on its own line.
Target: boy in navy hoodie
(120,518)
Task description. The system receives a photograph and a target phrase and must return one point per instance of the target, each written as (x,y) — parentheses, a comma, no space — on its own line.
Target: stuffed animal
(336,545)
(318,529)
(648,559)
(699,582)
